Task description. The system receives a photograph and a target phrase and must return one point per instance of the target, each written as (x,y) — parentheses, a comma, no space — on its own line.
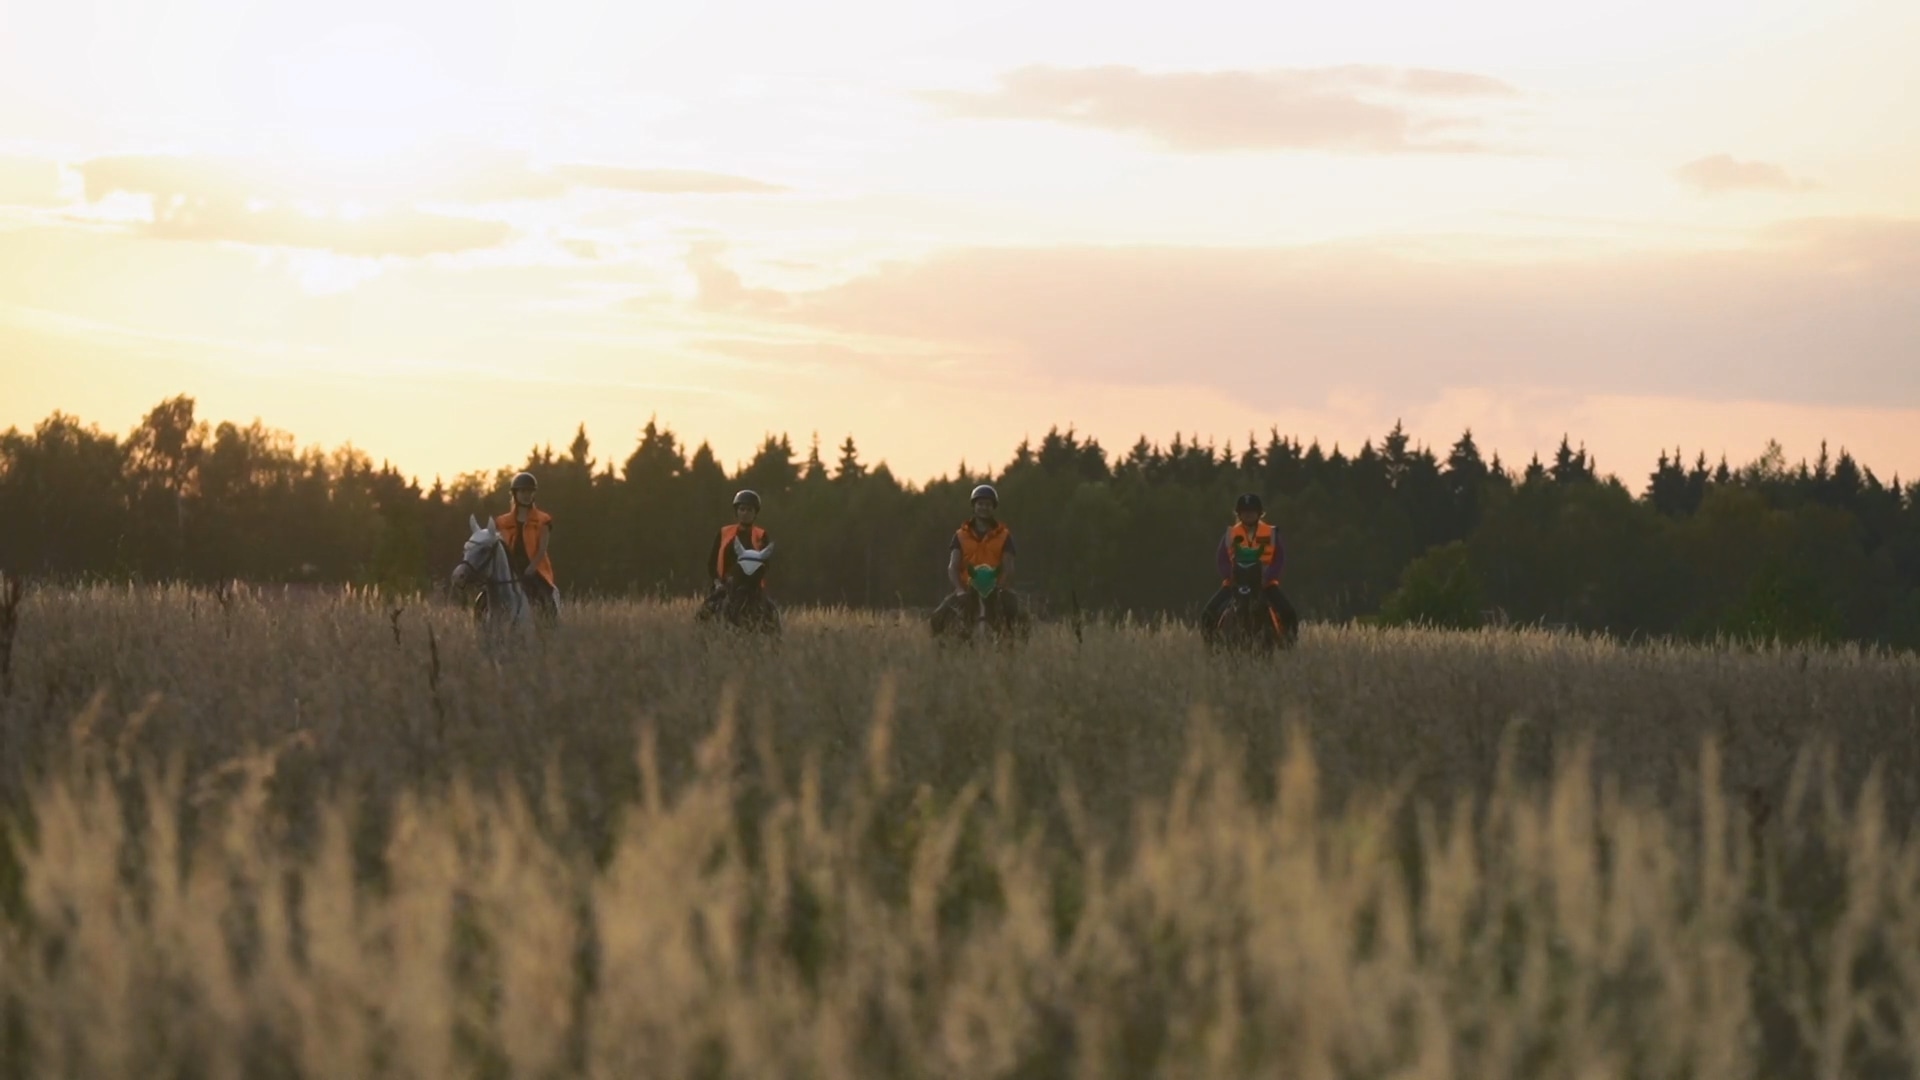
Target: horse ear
(473,524)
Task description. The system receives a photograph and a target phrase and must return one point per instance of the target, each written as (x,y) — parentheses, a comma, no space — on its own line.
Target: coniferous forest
(1397,530)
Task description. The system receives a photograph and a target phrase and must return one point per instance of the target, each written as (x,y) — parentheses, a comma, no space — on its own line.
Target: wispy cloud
(170,178)
(662,181)
(1823,312)
(1354,108)
(720,287)
(193,199)
(405,233)
(203,198)
(1720,173)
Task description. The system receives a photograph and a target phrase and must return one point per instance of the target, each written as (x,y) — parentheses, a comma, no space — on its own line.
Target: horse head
(479,551)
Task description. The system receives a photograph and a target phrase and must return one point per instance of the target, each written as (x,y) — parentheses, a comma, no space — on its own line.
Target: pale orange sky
(448,232)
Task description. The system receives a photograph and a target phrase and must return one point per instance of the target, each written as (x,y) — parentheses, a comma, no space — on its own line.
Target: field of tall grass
(252,837)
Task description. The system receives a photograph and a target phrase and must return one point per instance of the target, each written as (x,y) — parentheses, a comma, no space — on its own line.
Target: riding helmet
(525,480)
(985,491)
(1249,502)
(746,498)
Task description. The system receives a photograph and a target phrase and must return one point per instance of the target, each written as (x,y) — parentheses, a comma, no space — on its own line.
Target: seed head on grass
(856,857)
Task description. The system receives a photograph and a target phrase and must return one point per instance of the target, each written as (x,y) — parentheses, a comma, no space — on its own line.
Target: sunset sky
(446,232)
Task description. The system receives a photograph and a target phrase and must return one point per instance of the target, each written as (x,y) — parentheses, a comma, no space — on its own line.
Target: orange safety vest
(985,550)
(539,523)
(1261,539)
(756,539)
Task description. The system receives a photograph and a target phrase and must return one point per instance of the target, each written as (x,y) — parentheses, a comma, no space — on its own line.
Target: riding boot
(1289,618)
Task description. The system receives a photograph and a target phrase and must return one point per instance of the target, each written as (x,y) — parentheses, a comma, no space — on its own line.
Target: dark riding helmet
(985,491)
(1249,501)
(524,482)
(746,498)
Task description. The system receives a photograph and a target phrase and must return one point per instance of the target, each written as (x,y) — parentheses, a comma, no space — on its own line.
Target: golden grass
(635,850)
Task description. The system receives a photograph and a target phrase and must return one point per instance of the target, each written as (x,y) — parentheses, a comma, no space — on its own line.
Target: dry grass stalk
(926,873)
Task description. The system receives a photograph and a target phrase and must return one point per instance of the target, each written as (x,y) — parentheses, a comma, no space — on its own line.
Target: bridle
(494,553)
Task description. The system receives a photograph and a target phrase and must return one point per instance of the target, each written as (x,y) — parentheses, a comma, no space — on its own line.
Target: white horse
(485,561)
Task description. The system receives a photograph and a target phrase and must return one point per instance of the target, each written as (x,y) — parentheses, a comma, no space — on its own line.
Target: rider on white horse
(507,557)
(528,532)
(485,563)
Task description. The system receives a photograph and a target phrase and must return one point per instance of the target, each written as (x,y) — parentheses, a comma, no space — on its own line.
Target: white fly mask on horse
(746,603)
(751,562)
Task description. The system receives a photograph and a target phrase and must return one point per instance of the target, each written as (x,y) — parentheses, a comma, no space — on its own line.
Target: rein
(493,559)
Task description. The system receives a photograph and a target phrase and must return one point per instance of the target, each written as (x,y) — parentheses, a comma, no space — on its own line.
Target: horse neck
(497,565)
(506,604)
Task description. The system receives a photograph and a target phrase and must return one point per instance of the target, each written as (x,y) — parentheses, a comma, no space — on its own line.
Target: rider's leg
(1289,618)
(1210,615)
(540,595)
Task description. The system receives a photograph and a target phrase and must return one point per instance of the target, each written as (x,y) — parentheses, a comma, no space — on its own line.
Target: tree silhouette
(1817,550)
(848,468)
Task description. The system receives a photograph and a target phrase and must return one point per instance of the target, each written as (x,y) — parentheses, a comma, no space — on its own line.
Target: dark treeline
(1821,550)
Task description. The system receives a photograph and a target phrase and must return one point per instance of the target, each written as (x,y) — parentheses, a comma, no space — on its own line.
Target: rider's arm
(546,540)
(953,566)
(1007,553)
(713,559)
(1279,560)
(1223,558)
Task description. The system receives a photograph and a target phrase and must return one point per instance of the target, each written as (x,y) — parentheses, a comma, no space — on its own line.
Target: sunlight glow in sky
(447,232)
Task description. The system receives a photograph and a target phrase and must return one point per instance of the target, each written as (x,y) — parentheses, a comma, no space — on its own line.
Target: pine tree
(848,468)
(1667,487)
(656,459)
(1394,456)
(1570,467)
(815,469)
(578,451)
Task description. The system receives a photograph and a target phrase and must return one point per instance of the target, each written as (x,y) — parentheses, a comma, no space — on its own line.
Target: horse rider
(528,532)
(983,540)
(721,559)
(1251,531)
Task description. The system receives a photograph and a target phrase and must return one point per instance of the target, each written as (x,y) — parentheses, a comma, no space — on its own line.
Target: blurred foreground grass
(259,838)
